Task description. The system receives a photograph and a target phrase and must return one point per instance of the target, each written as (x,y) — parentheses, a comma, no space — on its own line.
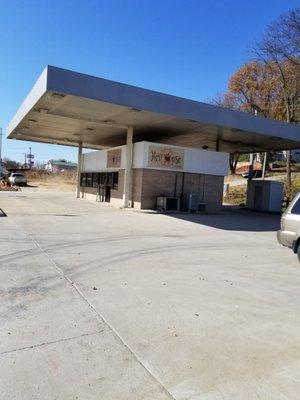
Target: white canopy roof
(66,107)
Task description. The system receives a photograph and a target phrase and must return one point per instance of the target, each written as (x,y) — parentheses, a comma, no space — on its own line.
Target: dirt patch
(236,195)
(64,181)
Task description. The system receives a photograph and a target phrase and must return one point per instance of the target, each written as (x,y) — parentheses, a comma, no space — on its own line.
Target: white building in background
(281,155)
(56,166)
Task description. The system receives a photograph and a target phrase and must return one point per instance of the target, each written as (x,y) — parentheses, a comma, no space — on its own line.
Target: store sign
(114,158)
(165,157)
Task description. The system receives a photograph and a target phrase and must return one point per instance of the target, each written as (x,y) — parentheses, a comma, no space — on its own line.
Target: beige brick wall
(148,184)
(137,180)
(156,183)
(213,194)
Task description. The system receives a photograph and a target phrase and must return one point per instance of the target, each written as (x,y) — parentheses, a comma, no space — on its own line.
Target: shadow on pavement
(235,219)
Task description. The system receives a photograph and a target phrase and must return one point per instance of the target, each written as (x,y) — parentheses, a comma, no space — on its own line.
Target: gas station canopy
(68,108)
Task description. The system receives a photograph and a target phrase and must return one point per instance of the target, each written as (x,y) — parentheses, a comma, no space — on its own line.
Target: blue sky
(187,48)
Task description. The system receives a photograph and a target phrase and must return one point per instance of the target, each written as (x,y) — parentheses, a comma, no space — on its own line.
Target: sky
(187,48)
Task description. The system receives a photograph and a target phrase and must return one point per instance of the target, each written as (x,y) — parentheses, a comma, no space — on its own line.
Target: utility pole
(30,158)
(288,176)
(288,184)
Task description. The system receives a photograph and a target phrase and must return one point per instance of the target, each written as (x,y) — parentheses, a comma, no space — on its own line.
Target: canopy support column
(127,200)
(79,163)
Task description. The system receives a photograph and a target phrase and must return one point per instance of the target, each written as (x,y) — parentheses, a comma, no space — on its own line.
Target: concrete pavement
(99,303)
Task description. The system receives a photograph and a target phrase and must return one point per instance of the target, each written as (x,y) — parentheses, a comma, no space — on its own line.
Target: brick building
(158,170)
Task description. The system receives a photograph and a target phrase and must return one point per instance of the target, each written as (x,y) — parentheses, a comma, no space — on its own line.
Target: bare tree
(233,161)
(270,84)
(9,164)
(280,51)
(283,37)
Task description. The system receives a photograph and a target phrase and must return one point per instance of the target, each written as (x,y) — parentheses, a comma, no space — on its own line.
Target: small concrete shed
(265,195)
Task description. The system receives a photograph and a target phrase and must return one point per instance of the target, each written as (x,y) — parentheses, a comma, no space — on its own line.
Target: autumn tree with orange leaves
(256,86)
(270,84)
(280,51)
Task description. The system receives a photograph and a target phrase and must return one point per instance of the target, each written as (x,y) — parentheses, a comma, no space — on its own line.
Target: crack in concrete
(51,342)
(99,315)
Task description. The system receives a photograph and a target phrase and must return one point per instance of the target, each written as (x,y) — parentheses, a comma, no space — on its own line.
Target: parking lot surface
(100,303)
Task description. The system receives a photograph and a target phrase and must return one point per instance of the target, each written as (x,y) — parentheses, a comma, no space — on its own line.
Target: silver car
(289,233)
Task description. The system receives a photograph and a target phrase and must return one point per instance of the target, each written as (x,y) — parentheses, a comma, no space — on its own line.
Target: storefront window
(89,177)
(115,180)
(96,176)
(83,180)
(95,179)
(102,178)
(110,179)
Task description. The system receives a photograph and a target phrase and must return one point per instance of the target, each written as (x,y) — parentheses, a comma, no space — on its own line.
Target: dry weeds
(63,181)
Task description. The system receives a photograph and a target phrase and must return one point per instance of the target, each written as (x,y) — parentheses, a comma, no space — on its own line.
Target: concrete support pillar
(264,165)
(127,194)
(251,157)
(79,167)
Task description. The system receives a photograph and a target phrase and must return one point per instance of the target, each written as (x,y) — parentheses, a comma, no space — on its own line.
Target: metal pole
(128,168)
(79,163)
(264,165)
(288,176)
(29,157)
